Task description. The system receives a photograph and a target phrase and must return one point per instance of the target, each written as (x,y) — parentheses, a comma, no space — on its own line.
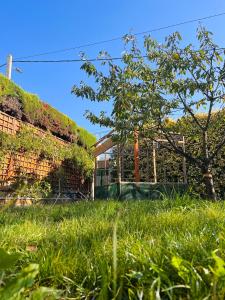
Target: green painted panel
(132,191)
(110,191)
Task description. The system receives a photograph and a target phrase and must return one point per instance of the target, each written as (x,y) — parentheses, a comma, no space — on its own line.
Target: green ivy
(28,140)
(29,107)
(86,138)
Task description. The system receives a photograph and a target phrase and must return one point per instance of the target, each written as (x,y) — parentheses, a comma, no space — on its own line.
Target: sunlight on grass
(159,248)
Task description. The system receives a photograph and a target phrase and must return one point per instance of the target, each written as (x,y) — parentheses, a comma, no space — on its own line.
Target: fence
(16,163)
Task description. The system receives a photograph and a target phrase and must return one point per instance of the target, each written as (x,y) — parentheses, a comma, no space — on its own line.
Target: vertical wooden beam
(148,176)
(154,161)
(94,181)
(10,168)
(136,157)
(118,170)
(184,163)
(118,164)
(105,167)
(109,173)
(93,187)
(122,164)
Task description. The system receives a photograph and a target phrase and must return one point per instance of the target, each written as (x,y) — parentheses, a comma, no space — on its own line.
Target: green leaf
(24,280)
(218,57)
(7,260)
(183,271)
(219,269)
(211,87)
(45,293)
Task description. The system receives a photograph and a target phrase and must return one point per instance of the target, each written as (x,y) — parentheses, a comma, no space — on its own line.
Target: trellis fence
(14,164)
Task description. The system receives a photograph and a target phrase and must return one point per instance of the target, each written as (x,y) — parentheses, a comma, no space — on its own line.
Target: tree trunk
(209,184)
(206,170)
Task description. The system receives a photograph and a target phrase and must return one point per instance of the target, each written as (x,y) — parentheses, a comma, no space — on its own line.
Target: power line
(120,37)
(94,59)
(68,60)
(181,23)
(100,59)
(3,65)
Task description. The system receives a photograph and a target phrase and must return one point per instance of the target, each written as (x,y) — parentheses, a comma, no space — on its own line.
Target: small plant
(28,187)
(22,284)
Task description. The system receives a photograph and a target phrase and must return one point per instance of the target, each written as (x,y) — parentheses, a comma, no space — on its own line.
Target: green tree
(163,82)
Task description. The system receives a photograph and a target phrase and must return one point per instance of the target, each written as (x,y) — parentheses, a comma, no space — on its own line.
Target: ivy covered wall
(39,142)
(28,107)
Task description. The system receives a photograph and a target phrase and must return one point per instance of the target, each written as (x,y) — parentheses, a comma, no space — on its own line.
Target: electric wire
(101,59)
(94,59)
(121,37)
(21,59)
(67,60)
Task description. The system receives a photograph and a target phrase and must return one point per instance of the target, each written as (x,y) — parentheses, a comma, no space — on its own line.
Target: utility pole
(9,67)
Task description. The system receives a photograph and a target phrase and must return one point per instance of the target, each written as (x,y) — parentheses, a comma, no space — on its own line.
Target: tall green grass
(170,249)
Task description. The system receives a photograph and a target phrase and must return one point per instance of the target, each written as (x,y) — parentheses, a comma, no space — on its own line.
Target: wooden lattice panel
(31,164)
(8,124)
(11,125)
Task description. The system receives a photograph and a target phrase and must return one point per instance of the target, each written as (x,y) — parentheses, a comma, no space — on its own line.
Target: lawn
(167,249)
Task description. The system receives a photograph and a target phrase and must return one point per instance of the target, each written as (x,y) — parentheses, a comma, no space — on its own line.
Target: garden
(168,248)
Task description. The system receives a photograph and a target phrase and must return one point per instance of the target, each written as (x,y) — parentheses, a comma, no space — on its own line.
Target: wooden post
(136,158)
(118,170)
(94,181)
(10,168)
(109,173)
(154,161)
(148,177)
(118,164)
(105,167)
(122,164)
(184,163)
(93,187)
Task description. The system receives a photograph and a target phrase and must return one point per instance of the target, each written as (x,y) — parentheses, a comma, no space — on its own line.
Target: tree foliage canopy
(163,82)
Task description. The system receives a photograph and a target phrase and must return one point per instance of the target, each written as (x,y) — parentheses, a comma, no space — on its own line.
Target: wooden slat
(103,147)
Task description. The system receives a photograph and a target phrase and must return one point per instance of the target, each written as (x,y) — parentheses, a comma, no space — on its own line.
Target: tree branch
(190,111)
(178,150)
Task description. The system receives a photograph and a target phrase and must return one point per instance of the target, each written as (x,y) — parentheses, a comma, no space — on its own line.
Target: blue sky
(31,26)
